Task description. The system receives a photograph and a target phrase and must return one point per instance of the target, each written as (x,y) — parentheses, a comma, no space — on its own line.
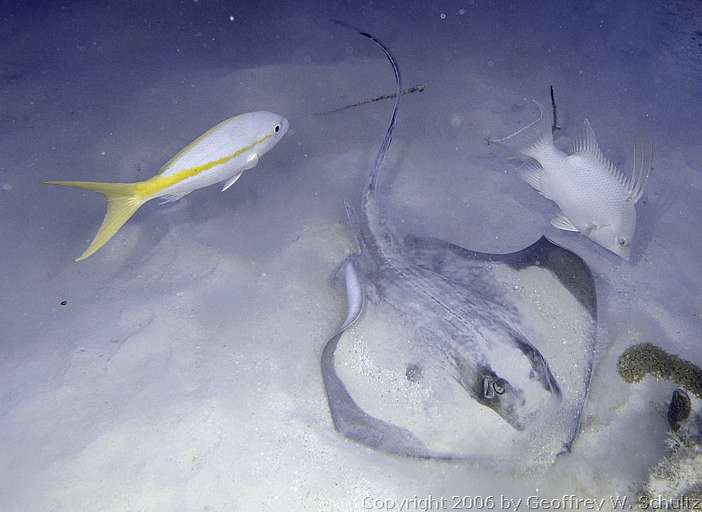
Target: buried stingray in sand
(473,356)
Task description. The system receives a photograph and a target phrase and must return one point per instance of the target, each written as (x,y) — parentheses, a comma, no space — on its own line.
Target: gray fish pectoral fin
(562,222)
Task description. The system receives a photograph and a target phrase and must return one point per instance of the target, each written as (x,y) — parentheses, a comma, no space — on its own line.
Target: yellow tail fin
(122,201)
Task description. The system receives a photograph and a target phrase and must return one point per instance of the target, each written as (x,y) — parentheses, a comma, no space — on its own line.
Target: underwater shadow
(652,209)
(149,239)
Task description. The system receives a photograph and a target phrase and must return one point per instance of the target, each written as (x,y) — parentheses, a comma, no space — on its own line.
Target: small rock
(413,372)
(679,409)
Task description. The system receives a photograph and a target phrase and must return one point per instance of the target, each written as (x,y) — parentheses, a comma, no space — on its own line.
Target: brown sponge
(646,358)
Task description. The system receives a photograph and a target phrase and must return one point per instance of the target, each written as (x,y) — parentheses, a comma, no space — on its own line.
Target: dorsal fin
(636,184)
(586,146)
(587,142)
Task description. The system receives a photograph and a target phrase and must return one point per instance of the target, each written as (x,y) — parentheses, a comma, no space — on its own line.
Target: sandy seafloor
(183,371)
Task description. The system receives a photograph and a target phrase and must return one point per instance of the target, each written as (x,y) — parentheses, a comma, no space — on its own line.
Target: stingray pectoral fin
(468,267)
(347,277)
(562,222)
(552,290)
(355,296)
(349,419)
(354,423)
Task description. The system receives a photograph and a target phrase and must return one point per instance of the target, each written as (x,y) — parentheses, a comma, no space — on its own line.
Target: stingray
(495,351)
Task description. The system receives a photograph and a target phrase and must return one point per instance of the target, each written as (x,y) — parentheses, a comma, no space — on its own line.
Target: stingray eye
(276,128)
(499,386)
(488,389)
(622,241)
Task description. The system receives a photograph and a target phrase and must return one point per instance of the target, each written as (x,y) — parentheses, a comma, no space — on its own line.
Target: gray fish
(463,310)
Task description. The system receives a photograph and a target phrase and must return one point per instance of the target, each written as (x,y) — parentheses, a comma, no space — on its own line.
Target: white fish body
(221,154)
(595,197)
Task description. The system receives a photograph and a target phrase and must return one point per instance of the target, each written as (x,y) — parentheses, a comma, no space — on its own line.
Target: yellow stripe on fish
(160,182)
(241,139)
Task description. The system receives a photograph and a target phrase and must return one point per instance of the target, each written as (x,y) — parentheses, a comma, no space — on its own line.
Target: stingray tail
(354,226)
(123,200)
(373,179)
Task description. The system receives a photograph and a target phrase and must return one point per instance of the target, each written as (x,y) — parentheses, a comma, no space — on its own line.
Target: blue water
(182,371)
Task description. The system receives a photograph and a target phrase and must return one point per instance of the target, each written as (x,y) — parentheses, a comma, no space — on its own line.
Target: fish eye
(499,386)
(276,128)
(622,241)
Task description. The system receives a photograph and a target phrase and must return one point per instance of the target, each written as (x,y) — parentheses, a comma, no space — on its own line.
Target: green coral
(646,358)
(676,480)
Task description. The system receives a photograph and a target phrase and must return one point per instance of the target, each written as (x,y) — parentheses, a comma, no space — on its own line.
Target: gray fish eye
(276,128)
(623,241)
(499,386)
